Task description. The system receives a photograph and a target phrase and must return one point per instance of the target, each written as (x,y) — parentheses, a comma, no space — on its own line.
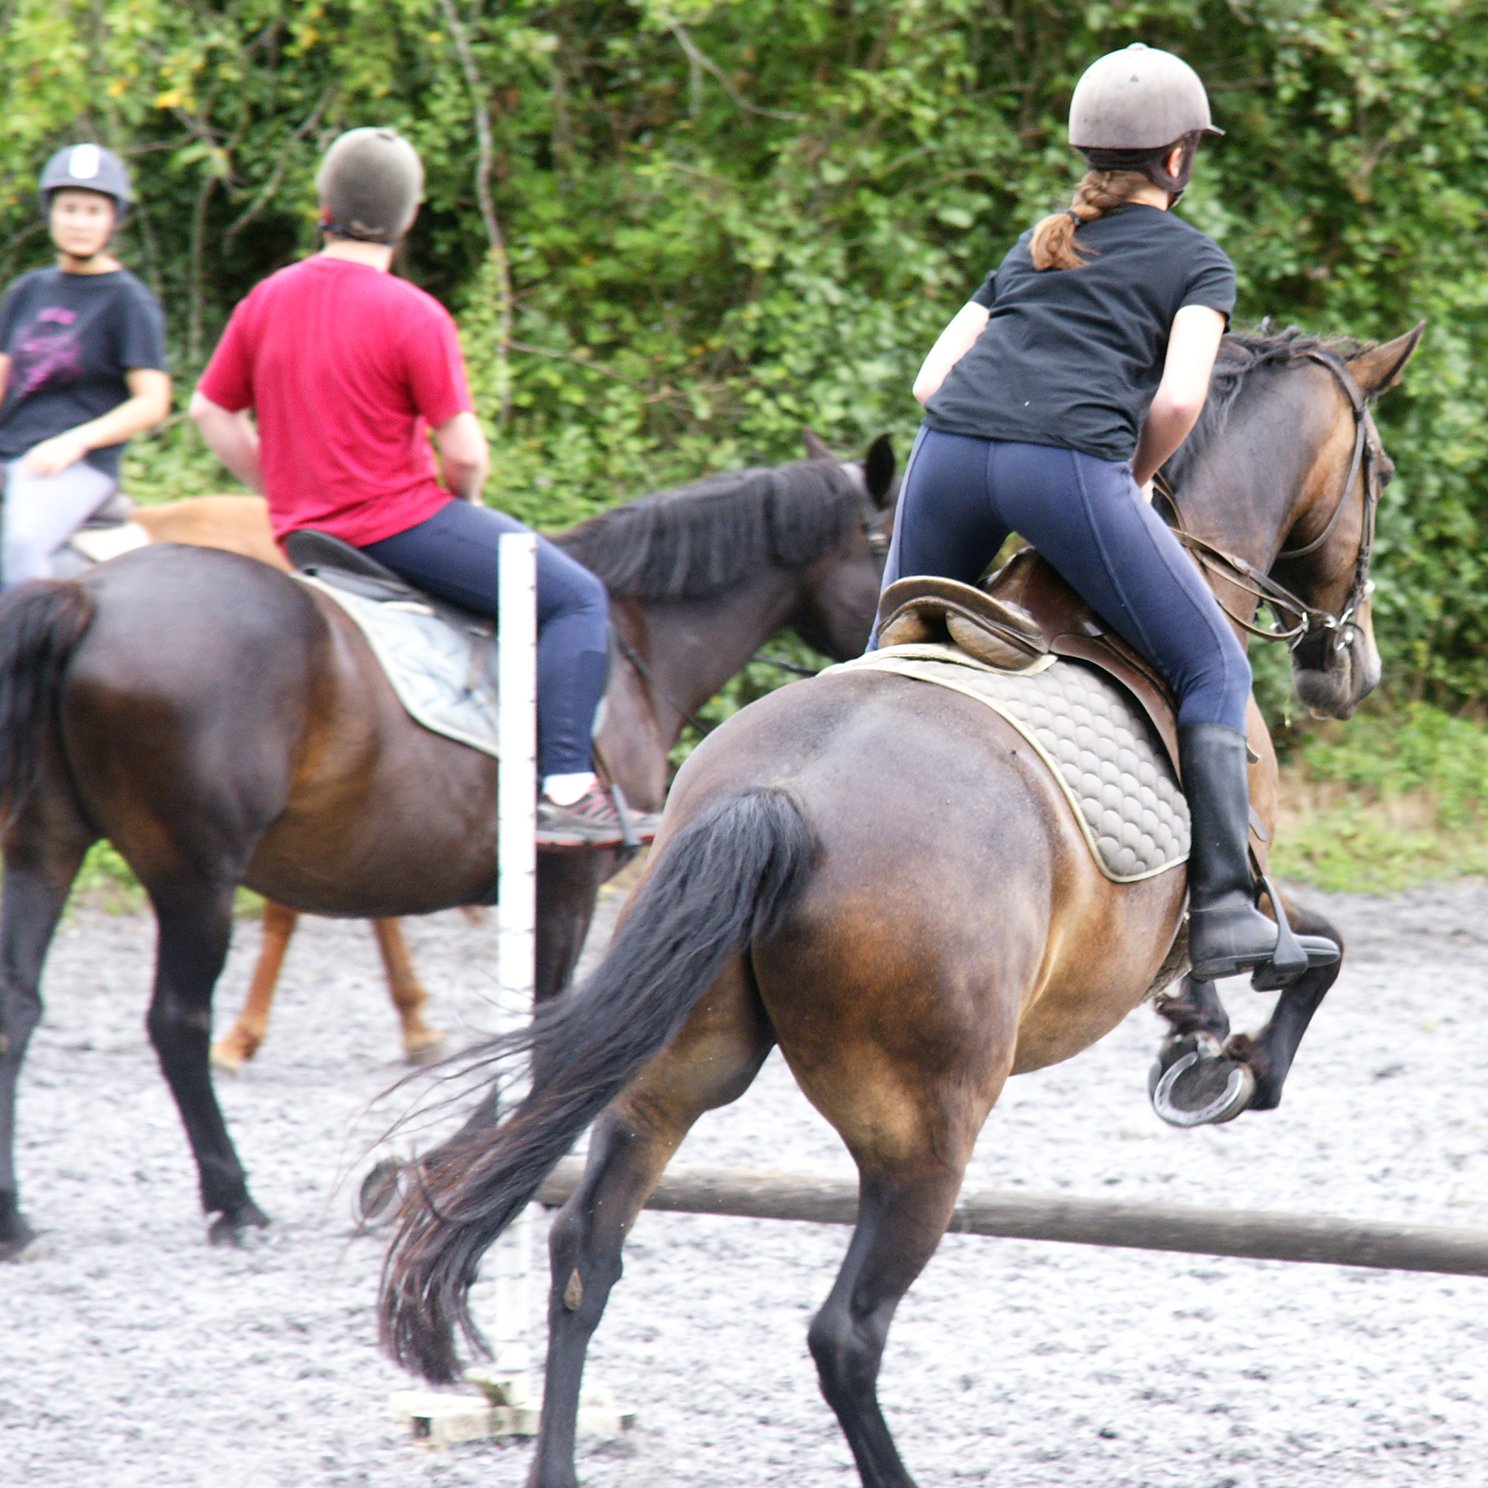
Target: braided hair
(1099,192)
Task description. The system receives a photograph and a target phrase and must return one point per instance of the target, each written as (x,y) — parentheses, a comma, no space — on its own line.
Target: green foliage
(715,221)
(1393,799)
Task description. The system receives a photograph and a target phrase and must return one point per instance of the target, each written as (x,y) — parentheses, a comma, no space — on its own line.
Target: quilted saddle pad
(1096,741)
(429,664)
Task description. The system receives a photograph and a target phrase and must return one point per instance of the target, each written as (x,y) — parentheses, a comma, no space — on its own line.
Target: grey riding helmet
(369,185)
(1140,98)
(87,167)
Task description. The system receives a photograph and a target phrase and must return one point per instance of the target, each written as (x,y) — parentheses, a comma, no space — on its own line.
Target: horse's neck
(1246,512)
(692,647)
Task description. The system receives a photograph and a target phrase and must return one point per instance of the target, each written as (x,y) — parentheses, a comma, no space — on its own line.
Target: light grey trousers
(41,512)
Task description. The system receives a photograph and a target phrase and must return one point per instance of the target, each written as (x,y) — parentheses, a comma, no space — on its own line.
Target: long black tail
(727,877)
(40,624)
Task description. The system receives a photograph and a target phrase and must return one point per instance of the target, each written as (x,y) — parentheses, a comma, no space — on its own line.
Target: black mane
(698,539)
(1240,354)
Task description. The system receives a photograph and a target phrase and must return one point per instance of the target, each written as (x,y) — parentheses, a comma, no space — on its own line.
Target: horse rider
(1051,400)
(82,365)
(345,369)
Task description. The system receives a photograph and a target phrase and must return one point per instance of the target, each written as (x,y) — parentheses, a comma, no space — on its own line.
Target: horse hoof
(431,1051)
(22,1246)
(242,1228)
(226,1058)
(1199,1090)
(380,1194)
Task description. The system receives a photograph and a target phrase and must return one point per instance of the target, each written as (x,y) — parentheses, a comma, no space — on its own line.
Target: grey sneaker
(591,821)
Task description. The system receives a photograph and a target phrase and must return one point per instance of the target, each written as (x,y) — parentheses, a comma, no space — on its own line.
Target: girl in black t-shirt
(82,366)
(1054,396)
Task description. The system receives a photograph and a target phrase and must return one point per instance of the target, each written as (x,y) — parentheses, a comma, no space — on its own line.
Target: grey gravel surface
(134,1356)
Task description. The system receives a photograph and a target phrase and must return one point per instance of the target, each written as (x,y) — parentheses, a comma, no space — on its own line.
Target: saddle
(339,566)
(1018,620)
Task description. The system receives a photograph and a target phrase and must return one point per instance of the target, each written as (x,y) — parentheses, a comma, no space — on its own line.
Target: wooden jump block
(506,1406)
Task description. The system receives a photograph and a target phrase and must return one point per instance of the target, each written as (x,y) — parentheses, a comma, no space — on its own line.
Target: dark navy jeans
(455,554)
(963,496)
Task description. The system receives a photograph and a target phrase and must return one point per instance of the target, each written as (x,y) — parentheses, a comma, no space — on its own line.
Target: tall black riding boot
(1227,934)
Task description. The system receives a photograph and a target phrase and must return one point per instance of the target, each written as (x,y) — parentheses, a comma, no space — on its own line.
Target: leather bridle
(1297,621)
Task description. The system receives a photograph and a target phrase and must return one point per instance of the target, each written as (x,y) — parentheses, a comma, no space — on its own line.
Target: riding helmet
(1138,98)
(87,167)
(369,186)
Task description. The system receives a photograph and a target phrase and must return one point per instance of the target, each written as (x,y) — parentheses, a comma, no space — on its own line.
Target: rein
(1308,621)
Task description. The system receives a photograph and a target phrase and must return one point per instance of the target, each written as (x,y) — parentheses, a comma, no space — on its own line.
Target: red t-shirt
(346,369)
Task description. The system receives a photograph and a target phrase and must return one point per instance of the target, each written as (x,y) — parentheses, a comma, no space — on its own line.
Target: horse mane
(696,540)
(1240,354)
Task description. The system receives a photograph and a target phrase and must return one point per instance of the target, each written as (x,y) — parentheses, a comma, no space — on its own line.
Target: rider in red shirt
(347,370)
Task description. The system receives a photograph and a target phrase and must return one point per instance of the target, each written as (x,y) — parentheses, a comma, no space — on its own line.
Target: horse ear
(878,470)
(1380,367)
(815,448)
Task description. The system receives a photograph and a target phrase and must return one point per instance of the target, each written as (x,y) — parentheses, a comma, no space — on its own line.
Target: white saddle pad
(429,664)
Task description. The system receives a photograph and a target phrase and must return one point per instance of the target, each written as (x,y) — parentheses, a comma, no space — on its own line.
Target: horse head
(1333,670)
(837,597)
(1286,475)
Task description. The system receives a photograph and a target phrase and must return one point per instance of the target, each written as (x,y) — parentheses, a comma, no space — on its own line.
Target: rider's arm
(1192,346)
(463,456)
(4,373)
(953,343)
(231,437)
(148,402)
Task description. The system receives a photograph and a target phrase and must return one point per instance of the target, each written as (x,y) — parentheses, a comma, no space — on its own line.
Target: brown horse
(223,724)
(240,524)
(881,878)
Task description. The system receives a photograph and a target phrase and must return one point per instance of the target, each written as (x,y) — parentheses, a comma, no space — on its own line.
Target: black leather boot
(1227,934)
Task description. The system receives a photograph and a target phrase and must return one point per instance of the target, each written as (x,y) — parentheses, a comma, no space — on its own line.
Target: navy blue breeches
(454,555)
(962,497)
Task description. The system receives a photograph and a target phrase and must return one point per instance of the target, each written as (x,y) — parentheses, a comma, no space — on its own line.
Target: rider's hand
(53,456)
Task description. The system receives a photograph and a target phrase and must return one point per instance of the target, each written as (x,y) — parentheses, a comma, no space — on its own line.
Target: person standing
(82,366)
(1052,399)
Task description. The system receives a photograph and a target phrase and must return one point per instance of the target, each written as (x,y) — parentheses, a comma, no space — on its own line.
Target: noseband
(1298,622)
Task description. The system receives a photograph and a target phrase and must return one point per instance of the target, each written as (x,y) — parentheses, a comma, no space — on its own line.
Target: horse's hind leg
(241,1042)
(421,1044)
(41,861)
(709,1064)
(902,1213)
(195,919)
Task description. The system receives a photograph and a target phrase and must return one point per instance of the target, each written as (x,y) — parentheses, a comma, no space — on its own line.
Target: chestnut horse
(223,724)
(880,877)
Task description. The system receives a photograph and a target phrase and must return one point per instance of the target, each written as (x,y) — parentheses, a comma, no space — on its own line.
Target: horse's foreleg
(902,1215)
(421,1044)
(35,890)
(1268,1054)
(241,1042)
(567,886)
(195,920)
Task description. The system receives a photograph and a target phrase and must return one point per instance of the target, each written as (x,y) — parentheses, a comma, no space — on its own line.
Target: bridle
(1298,622)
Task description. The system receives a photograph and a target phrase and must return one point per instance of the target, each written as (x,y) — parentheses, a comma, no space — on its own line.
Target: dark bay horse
(882,879)
(222,724)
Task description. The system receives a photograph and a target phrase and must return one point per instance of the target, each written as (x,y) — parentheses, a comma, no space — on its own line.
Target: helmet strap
(1152,163)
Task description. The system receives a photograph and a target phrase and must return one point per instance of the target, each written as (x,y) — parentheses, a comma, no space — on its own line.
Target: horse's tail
(40,625)
(727,877)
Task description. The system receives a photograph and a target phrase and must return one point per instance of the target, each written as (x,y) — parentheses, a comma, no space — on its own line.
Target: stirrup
(1293,954)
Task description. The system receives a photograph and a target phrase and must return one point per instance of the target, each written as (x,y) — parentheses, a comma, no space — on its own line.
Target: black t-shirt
(1072,357)
(71,338)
